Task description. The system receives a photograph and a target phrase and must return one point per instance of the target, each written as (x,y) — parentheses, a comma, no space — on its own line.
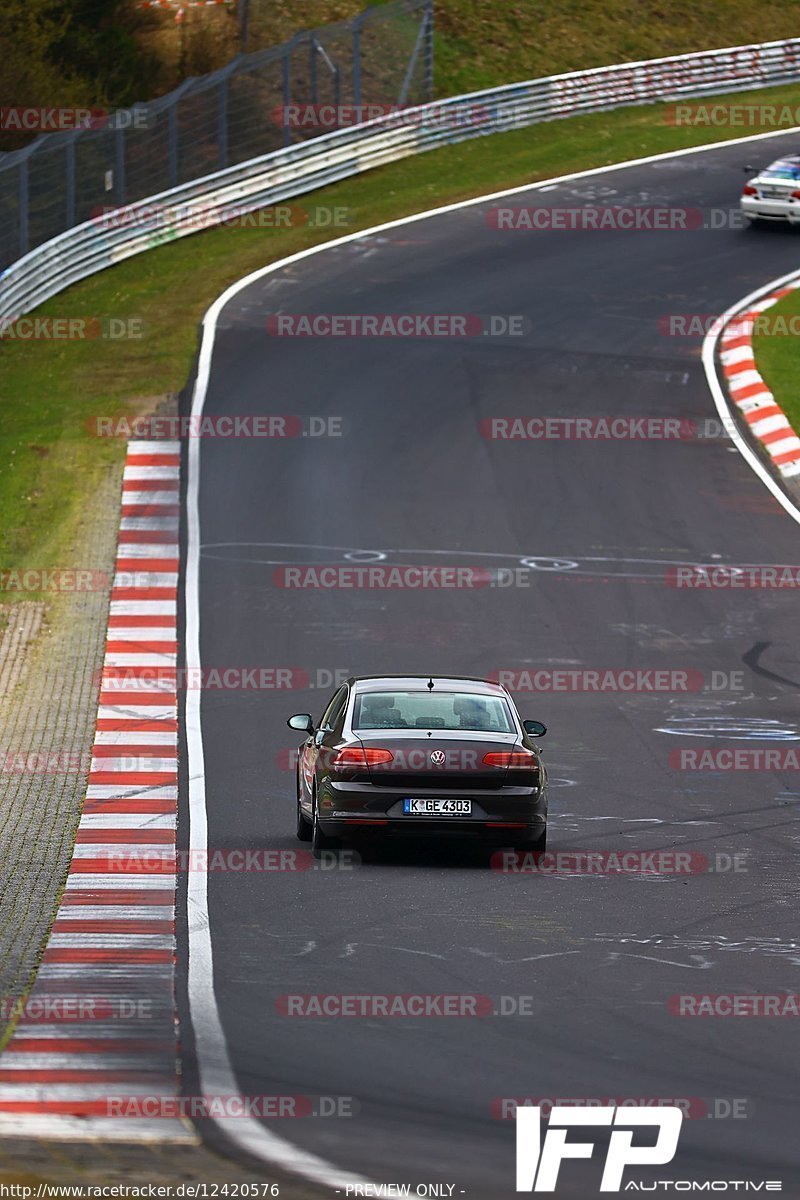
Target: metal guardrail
(271,178)
(380,57)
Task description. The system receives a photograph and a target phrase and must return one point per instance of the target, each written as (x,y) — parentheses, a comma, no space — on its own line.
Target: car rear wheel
(303,824)
(319,840)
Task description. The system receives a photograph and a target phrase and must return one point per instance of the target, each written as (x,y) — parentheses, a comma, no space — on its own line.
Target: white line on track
(214,1064)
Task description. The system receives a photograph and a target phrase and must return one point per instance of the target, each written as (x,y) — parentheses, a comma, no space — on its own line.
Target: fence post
(222,123)
(312,67)
(23,208)
(69,179)
(357,59)
(287,93)
(428,64)
(244,20)
(172,143)
(120,183)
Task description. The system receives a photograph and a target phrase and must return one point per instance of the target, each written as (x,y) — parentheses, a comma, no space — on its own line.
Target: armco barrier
(274,177)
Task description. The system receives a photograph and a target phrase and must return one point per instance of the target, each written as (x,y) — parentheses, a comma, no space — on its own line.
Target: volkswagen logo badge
(437,757)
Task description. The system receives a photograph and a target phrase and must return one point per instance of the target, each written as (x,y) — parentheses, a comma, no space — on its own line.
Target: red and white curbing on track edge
(766,419)
(100,1023)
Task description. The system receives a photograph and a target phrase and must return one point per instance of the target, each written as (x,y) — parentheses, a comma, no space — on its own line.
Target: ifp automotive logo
(538,1162)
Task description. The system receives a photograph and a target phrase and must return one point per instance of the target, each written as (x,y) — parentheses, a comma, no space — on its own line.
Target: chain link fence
(318,81)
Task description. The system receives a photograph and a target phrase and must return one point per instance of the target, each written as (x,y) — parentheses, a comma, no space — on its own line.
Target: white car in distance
(773,194)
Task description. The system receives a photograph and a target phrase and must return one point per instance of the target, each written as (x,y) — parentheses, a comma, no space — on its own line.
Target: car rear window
(434,710)
(784,170)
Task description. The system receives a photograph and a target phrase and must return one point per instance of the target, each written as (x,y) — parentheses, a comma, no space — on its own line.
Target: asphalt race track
(596,956)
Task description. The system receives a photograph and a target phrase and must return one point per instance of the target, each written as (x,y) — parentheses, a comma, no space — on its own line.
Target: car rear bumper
(349,808)
(771,210)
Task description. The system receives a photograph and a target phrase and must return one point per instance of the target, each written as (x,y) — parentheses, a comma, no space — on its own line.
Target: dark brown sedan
(419,755)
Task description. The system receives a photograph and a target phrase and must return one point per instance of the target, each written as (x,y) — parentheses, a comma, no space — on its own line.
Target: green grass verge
(50,390)
(483,43)
(777,357)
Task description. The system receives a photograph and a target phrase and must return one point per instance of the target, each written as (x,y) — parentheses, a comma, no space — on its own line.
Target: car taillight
(749,190)
(360,756)
(796,195)
(509,758)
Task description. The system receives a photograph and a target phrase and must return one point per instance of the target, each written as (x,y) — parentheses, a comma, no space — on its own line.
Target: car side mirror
(748,170)
(302,722)
(534,728)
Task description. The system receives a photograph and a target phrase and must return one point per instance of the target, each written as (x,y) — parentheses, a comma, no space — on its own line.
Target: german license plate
(437,808)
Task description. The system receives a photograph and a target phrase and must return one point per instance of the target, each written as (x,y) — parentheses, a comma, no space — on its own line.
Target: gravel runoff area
(89,1164)
(51,652)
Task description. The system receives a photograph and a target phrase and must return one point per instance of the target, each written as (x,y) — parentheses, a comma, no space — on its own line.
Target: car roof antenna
(430,683)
